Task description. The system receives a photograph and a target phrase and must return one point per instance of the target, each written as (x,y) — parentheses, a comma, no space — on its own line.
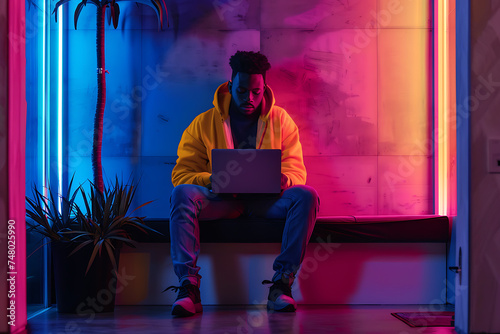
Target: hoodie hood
(222,100)
(276,130)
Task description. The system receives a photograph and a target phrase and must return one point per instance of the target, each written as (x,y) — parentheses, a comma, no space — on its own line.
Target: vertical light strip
(60,103)
(440,137)
(42,120)
(45,122)
(442,107)
(445,112)
(47,85)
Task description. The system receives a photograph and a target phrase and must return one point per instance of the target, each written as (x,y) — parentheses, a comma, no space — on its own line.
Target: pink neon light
(16,161)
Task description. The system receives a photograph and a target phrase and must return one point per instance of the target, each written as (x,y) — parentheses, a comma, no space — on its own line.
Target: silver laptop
(246,171)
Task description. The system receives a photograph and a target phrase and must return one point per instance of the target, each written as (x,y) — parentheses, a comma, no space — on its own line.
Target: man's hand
(209,186)
(284,181)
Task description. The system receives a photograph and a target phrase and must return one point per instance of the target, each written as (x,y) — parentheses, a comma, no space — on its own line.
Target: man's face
(247,91)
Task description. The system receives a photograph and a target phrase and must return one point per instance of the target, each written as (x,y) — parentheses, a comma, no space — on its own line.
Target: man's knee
(306,194)
(182,193)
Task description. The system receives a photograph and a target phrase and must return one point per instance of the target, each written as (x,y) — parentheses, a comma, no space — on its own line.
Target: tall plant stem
(101,100)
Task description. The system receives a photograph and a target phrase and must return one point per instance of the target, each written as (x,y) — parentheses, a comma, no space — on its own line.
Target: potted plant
(85,241)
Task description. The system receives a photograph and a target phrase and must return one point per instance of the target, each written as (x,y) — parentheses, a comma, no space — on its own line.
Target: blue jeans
(189,204)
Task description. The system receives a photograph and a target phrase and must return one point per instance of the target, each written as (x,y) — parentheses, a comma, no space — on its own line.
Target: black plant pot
(80,293)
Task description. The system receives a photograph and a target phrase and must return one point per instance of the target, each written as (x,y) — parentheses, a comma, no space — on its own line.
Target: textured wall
(355,76)
(485,188)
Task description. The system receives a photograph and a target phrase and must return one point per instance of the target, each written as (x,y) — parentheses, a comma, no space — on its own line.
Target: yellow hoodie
(212,129)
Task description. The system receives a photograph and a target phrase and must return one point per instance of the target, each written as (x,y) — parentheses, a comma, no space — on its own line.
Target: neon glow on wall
(444,86)
(60,103)
(45,97)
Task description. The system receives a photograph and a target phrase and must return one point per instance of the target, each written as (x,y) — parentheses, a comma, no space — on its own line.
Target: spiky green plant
(104,221)
(107,219)
(45,218)
(114,8)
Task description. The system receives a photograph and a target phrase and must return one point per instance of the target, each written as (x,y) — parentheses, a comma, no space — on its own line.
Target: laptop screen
(240,171)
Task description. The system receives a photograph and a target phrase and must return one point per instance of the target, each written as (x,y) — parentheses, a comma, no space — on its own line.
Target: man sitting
(244,116)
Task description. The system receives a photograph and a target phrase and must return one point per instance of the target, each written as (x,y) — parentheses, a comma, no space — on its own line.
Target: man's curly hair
(249,62)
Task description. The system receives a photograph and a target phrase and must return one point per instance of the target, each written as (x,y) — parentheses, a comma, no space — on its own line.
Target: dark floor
(315,319)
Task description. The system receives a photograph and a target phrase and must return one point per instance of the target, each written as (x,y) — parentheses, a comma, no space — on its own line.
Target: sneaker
(280,295)
(188,300)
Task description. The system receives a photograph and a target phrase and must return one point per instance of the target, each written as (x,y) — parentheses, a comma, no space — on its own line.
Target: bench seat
(335,229)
